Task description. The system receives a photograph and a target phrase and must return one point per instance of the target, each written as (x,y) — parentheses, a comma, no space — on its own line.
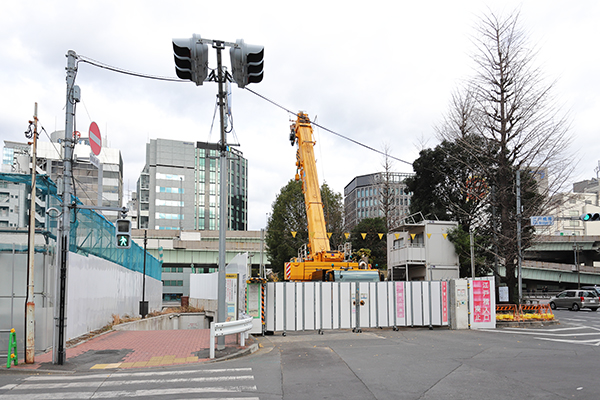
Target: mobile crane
(316,261)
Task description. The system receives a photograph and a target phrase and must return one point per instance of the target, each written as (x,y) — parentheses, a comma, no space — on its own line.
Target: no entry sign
(95,139)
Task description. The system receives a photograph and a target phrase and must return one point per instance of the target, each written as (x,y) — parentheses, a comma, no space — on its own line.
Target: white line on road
(63,378)
(107,383)
(143,393)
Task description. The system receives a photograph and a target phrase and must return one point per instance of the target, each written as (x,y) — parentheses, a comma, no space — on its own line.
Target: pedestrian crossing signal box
(123,235)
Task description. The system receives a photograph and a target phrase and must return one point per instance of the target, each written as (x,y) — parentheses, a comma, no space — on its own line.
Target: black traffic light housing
(123,234)
(246,63)
(590,217)
(191,59)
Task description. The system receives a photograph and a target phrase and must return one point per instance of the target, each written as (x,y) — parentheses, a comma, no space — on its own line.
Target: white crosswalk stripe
(204,384)
(582,335)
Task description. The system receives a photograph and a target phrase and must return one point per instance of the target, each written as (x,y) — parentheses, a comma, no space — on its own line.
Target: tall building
(106,170)
(97,180)
(362,197)
(178,188)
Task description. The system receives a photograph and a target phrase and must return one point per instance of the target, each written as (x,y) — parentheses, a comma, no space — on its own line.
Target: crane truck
(316,261)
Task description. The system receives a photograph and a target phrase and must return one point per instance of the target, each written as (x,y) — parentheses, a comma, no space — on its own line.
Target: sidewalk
(137,349)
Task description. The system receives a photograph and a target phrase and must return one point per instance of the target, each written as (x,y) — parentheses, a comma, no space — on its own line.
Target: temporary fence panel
(305,306)
(482,303)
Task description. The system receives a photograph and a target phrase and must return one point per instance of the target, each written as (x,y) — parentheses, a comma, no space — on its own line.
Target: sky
(380,73)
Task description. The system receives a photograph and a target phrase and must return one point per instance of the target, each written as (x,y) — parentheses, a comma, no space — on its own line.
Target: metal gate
(305,306)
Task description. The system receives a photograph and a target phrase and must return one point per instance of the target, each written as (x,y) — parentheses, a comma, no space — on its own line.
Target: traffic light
(191,59)
(123,235)
(246,63)
(590,217)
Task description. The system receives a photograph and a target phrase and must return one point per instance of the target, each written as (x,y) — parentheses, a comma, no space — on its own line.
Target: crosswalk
(579,334)
(227,383)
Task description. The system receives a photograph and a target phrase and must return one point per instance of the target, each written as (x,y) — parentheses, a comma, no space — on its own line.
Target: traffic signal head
(590,217)
(246,63)
(123,236)
(191,59)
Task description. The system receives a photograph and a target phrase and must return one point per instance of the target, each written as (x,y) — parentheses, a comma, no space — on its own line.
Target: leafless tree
(387,190)
(509,105)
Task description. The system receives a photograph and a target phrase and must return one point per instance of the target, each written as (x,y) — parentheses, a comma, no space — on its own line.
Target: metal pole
(472,253)
(145,309)
(519,256)
(261,271)
(59,345)
(222,312)
(30,303)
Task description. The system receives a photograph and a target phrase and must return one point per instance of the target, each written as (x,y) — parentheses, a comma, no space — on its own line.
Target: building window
(172,283)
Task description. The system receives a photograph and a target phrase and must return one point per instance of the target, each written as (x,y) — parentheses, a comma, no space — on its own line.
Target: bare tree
(511,108)
(386,187)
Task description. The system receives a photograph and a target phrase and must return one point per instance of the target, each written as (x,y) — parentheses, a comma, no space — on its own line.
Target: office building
(362,197)
(178,188)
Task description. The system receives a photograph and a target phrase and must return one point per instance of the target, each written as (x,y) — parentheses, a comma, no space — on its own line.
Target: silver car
(575,300)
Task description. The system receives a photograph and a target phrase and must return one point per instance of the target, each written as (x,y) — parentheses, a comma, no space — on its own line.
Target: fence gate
(305,306)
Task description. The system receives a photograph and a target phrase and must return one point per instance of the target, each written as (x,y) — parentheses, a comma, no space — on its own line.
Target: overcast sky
(381,73)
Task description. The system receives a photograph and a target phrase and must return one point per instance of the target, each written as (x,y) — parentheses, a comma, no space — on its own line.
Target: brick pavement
(143,348)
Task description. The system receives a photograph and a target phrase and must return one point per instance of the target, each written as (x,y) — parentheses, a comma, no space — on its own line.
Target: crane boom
(318,242)
(319,262)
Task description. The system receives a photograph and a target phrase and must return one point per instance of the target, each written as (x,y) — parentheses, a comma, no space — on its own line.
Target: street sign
(544,220)
(95,161)
(95,138)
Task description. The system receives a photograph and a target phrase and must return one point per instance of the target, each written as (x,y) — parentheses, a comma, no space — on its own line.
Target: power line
(162,78)
(327,129)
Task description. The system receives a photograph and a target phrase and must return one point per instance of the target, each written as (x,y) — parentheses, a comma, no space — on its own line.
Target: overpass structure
(560,262)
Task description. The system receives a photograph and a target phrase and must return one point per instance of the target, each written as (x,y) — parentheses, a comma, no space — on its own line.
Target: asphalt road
(550,362)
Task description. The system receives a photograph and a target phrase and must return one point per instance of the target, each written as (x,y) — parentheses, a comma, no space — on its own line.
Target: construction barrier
(12,349)
(525,312)
(529,312)
(506,312)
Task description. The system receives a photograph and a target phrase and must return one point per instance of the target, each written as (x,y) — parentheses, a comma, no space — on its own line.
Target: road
(550,362)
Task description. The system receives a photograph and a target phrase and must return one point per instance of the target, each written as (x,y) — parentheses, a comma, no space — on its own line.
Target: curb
(526,324)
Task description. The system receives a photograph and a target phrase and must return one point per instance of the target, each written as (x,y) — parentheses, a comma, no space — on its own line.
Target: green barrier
(12,349)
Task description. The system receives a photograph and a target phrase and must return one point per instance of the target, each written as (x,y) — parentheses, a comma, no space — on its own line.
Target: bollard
(12,349)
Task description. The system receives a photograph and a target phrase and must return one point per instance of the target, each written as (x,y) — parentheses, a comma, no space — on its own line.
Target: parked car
(593,289)
(575,300)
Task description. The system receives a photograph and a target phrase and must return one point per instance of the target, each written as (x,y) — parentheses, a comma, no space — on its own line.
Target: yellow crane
(317,261)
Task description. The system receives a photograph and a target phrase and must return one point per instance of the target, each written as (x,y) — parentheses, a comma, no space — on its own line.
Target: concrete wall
(97,289)
(167,322)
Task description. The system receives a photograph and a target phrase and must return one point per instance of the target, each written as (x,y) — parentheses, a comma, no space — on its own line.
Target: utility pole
(60,309)
(519,255)
(30,303)
(224,177)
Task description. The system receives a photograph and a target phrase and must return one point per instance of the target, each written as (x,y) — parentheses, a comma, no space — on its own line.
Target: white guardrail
(241,326)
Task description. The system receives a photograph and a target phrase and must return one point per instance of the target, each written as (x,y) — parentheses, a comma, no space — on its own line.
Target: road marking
(63,378)
(9,387)
(586,342)
(143,393)
(132,382)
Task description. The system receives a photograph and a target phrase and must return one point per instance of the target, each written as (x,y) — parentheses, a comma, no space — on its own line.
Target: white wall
(97,289)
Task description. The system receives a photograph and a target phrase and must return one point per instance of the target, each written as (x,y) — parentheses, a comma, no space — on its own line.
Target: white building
(421,251)
(97,180)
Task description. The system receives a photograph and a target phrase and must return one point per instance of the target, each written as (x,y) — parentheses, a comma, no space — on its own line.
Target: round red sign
(95,139)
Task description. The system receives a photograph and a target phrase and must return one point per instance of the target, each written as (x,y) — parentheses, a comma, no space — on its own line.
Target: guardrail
(241,326)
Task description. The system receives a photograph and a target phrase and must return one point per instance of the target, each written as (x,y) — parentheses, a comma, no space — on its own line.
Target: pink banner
(482,305)
(399,299)
(444,301)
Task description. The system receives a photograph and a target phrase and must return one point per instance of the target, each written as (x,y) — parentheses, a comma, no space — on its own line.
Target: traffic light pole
(221,305)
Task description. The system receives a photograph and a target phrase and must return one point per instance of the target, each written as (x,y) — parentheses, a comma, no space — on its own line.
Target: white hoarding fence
(302,306)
